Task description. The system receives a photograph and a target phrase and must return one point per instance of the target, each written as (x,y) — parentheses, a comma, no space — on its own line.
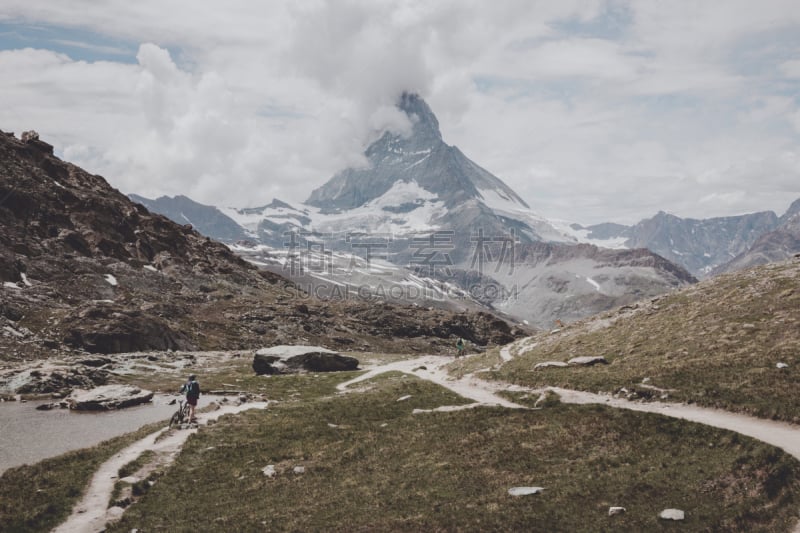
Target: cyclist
(192,390)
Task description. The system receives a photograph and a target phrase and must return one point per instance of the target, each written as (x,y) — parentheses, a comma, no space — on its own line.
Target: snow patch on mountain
(582,235)
(405,209)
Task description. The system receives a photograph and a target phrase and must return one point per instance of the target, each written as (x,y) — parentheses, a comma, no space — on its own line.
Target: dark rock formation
(289,359)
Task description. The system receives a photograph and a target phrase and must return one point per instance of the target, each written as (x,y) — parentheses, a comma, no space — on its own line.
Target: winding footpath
(91,513)
(780,434)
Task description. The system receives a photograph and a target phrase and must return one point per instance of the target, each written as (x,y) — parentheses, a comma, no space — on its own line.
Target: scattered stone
(404,398)
(645,380)
(269,470)
(781,365)
(299,470)
(114,513)
(96,362)
(616,510)
(588,360)
(108,397)
(549,364)
(672,514)
(291,359)
(524,491)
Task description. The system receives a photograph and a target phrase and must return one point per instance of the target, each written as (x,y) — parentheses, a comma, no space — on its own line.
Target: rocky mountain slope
(697,245)
(776,245)
(423,205)
(84,268)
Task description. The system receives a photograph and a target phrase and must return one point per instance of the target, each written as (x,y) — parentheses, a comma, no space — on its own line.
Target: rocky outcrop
(108,397)
(292,359)
(59,380)
(113,329)
(588,360)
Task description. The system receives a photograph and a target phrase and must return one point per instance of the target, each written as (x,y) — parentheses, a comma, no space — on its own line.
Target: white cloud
(592,110)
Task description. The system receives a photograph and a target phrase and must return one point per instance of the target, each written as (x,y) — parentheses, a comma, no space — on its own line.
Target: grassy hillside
(372,464)
(717,344)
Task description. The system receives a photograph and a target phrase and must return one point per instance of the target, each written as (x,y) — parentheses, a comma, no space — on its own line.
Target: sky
(592,110)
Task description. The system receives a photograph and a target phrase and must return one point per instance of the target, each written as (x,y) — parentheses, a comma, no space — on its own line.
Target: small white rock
(547,364)
(299,470)
(781,365)
(524,491)
(672,514)
(269,470)
(616,510)
(404,398)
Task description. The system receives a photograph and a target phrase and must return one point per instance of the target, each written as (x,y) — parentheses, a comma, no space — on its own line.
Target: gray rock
(588,360)
(781,365)
(549,364)
(108,397)
(289,359)
(616,510)
(672,514)
(524,491)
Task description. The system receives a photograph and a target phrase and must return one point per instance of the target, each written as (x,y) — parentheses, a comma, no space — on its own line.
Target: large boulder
(290,359)
(108,397)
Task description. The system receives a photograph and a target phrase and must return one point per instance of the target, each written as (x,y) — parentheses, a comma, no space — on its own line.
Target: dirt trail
(431,367)
(782,435)
(91,513)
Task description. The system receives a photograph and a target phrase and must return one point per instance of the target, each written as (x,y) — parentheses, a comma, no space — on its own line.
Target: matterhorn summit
(451,191)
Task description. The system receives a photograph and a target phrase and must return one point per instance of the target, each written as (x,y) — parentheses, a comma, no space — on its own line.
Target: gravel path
(91,514)
(780,434)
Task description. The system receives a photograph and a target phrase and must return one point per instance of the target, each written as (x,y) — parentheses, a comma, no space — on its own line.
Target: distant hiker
(192,390)
(460,347)
(559,324)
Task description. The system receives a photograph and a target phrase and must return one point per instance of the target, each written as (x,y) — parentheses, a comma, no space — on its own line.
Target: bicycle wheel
(176,419)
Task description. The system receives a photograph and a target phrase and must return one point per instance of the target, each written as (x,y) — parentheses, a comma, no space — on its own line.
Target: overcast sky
(591,110)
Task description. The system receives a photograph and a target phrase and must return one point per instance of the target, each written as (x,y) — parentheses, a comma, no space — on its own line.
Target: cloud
(593,110)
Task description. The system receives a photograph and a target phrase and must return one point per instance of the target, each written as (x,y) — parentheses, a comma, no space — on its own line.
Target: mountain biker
(192,390)
(460,347)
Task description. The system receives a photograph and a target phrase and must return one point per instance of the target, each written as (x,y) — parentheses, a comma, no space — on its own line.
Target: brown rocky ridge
(82,268)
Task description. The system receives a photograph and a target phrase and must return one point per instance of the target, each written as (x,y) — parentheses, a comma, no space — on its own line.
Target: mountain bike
(181,415)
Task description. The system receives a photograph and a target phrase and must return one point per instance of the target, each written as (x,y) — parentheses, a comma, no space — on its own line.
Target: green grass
(373,465)
(715,344)
(41,496)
